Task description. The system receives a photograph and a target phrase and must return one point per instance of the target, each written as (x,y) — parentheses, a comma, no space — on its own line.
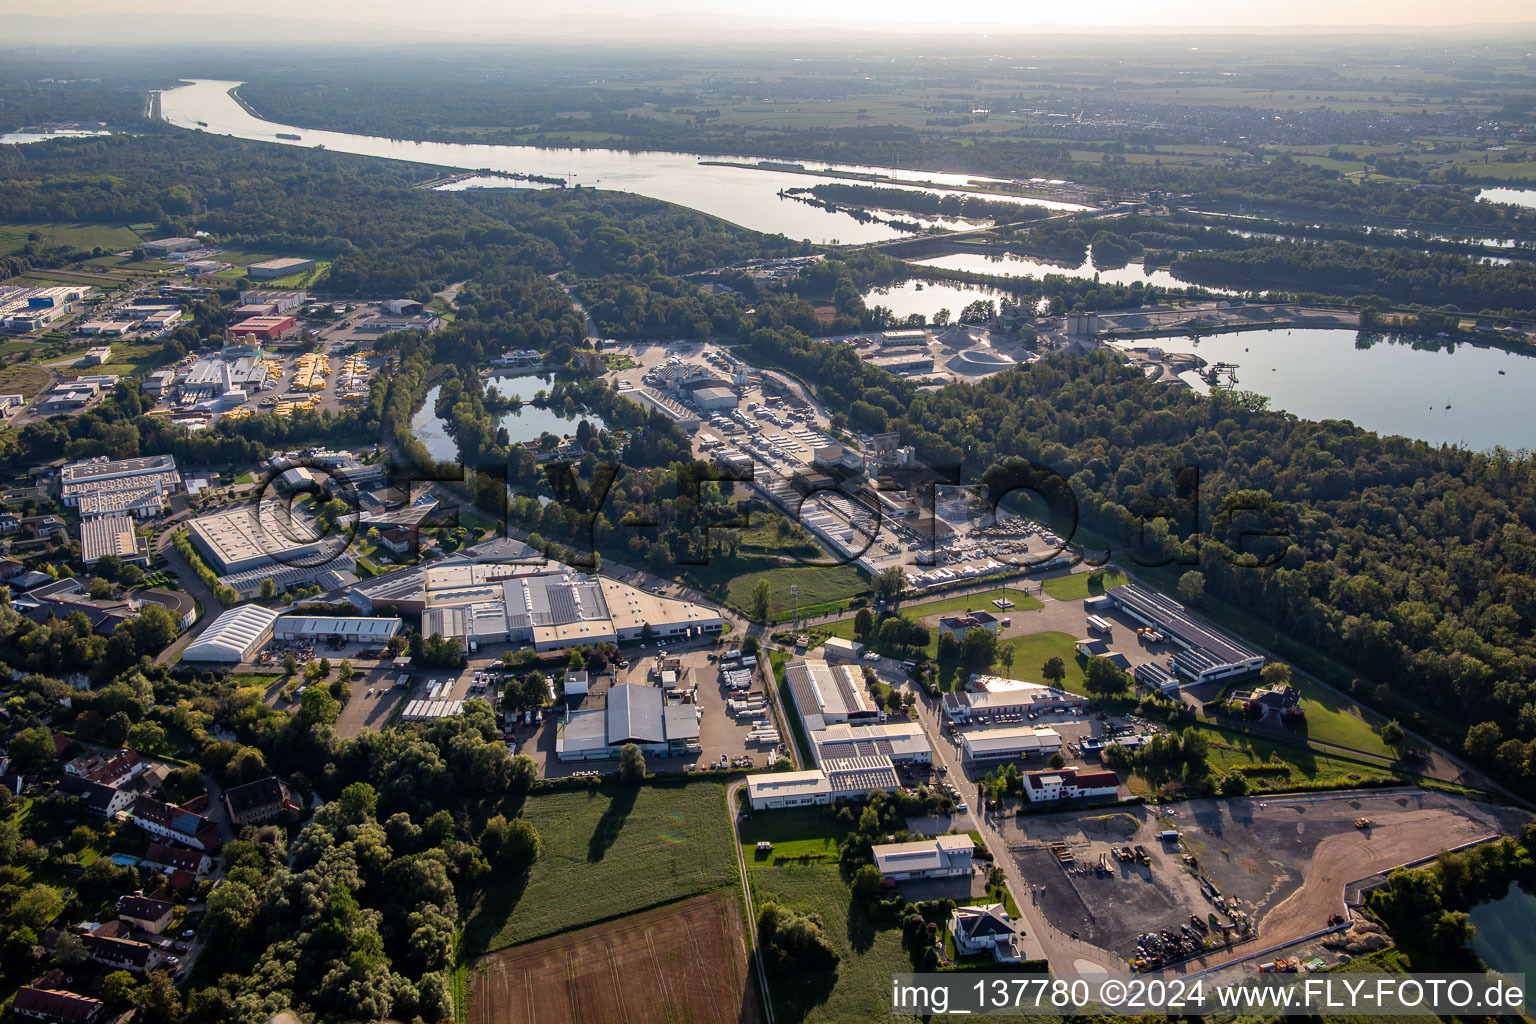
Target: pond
(928,297)
(1506,932)
(1472,396)
(522,424)
(748,196)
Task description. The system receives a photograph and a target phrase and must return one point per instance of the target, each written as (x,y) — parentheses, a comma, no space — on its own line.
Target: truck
(1096,624)
(1168,835)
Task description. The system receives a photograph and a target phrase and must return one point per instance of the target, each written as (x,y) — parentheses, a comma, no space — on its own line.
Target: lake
(1446,397)
(1009,264)
(522,424)
(1513,196)
(745,196)
(1506,932)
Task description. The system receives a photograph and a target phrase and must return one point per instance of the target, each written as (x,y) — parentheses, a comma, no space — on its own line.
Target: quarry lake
(1473,396)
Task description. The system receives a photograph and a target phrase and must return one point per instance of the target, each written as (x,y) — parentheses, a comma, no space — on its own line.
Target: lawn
(26,381)
(947,606)
(607,852)
(794,832)
(1076,586)
(1230,748)
(817,585)
(1030,653)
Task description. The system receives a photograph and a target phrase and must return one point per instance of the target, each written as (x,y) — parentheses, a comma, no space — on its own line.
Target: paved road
(746,887)
(1041,939)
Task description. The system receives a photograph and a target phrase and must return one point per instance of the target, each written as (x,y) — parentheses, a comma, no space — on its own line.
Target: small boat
(1447,405)
(203,123)
(1501,373)
(288,135)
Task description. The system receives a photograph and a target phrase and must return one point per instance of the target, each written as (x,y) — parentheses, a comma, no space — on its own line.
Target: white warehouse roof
(371,628)
(234,636)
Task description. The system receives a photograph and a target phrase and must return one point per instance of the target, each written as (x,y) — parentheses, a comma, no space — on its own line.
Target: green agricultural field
(607,852)
(1078,585)
(861,988)
(79,237)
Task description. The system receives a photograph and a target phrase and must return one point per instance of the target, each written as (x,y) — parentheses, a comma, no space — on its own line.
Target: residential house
(122,954)
(50,1004)
(99,799)
(943,857)
(163,819)
(145,912)
(958,626)
(108,768)
(170,859)
(260,801)
(979,930)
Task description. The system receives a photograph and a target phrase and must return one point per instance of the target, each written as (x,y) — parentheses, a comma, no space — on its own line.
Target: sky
(895,15)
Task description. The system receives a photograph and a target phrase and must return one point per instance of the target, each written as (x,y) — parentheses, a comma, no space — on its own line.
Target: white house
(985,929)
(1070,784)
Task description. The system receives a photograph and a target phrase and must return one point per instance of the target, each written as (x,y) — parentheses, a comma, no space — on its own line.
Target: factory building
(281,300)
(1070,784)
(1204,655)
(828,694)
(903,742)
(847,779)
(1010,699)
(166,246)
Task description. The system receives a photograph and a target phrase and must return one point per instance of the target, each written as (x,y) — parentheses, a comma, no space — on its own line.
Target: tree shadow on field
(611,823)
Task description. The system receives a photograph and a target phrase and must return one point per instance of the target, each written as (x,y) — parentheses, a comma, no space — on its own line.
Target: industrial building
(714,399)
(827,694)
(1007,743)
(266,328)
(1013,700)
(112,535)
(518,597)
(903,742)
(281,300)
(268,270)
(139,487)
(1070,784)
(636,714)
(948,856)
(166,246)
(234,636)
(849,779)
(1204,655)
(352,629)
(255,536)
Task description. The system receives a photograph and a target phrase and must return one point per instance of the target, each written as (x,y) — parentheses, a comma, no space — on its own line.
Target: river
(1477,397)
(1513,196)
(745,196)
(1009,264)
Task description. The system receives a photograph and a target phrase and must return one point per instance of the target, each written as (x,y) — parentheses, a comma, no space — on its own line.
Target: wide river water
(745,196)
(1477,397)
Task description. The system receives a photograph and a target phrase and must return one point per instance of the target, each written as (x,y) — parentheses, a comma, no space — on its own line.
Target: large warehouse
(1204,654)
(250,537)
(111,535)
(354,629)
(635,714)
(827,694)
(234,636)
